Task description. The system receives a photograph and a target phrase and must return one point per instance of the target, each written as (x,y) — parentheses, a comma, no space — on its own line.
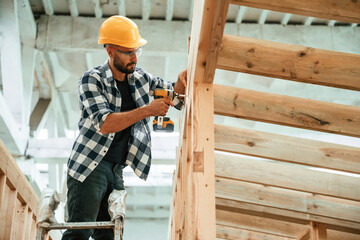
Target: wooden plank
(28,224)
(2,188)
(285,215)
(258,224)
(189,200)
(336,235)
(204,179)
(288,176)
(17,179)
(206,35)
(288,111)
(304,235)
(310,204)
(225,232)
(18,231)
(7,213)
(291,62)
(33,227)
(341,10)
(317,231)
(288,149)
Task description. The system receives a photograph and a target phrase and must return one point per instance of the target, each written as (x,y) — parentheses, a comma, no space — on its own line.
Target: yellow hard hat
(121,31)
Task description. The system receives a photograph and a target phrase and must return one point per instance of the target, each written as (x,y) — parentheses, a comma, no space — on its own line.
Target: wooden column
(317,231)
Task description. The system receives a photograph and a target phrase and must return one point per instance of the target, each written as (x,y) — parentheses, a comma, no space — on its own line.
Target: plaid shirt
(99,97)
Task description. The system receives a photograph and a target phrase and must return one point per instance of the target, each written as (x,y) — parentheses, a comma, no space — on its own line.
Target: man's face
(124,62)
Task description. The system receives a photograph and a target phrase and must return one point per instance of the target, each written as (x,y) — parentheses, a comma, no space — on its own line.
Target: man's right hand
(159,107)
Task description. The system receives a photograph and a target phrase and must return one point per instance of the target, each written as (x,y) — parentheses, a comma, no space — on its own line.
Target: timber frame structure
(18,200)
(223,196)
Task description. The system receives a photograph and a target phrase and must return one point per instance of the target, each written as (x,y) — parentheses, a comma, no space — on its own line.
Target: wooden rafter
(288,176)
(330,208)
(291,62)
(288,111)
(288,149)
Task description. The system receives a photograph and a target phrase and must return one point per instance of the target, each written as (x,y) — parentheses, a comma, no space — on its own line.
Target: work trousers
(88,201)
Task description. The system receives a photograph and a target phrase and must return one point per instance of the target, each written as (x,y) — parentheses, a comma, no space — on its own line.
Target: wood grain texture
(258,224)
(286,110)
(204,177)
(287,148)
(285,215)
(297,201)
(318,231)
(289,176)
(341,10)
(16,178)
(291,62)
(232,233)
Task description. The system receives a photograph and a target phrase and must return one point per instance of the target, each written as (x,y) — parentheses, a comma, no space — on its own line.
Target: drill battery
(166,126)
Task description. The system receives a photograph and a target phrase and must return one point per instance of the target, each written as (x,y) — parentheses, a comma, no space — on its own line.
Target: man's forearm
(118,121)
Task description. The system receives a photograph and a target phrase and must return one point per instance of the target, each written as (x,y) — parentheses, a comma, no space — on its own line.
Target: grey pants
(88,201)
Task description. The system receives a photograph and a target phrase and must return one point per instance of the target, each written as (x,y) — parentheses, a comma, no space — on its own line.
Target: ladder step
(77,225)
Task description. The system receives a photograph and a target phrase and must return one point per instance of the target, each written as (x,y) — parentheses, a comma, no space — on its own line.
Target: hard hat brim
(139,43)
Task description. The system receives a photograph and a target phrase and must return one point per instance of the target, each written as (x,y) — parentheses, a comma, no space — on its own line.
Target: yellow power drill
(160,123)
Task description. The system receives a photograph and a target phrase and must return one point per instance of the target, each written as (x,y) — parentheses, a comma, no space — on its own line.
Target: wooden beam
(206,43)
(341,10)
(317,231)
(285,215)
(308,203)
(287,149)
(287,176)
(258,224)
(17,178)
(292,62)
(226,232)
(207,29)
(304,235)
(288,111)
(203,162)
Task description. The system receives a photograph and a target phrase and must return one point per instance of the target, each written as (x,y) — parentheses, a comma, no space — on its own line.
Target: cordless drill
(160,123)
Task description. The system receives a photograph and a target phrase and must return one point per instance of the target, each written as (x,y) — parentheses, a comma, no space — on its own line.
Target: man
(114,132)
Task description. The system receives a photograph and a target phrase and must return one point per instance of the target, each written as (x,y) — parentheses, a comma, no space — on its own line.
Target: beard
(124,68)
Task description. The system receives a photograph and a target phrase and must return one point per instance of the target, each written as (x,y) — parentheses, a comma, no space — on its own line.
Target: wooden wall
(294,192)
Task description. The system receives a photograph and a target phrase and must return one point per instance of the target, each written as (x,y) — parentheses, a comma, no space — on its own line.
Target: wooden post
(317,231)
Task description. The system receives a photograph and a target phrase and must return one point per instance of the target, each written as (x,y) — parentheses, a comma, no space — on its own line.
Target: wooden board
(310,204)
(17,179)
(341,10)
(286,110)
(286,215)
(291,62)
(232,233)
(288,149)
(289,176)
(258,224)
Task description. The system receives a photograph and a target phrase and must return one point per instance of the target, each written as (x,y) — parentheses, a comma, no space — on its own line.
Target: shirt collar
(108,73)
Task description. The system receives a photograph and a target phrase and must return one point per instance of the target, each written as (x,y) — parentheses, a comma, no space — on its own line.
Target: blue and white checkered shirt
(98,98)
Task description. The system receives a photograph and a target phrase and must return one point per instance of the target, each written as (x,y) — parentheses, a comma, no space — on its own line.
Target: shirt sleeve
(157,82)
(93,99)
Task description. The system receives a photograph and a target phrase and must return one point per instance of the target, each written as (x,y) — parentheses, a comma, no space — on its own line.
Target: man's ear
(110,51)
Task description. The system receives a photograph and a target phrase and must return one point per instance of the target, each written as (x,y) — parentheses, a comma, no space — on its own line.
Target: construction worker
(115,109)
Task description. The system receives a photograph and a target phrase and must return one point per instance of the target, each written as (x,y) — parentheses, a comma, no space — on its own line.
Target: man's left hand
(181,82)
